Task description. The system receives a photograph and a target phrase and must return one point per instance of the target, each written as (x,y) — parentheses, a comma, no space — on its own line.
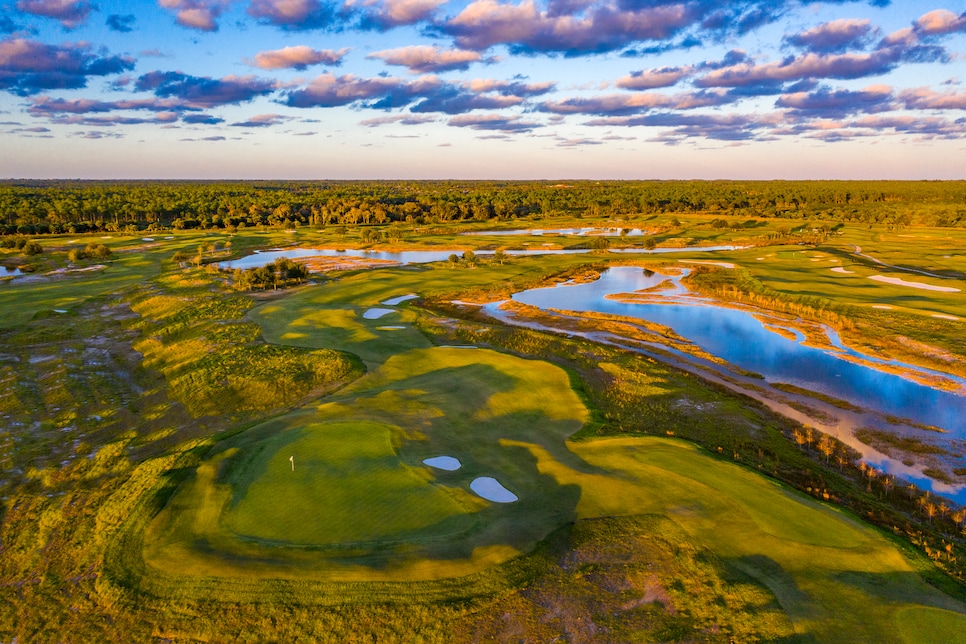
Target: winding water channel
(742,340)
(739,338)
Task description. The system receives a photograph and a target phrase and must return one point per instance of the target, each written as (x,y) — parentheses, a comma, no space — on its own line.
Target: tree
(454,259)
(32,248)
(469,257)
(180,257)
(500,257)
(826,446)
(650,243)
(600,244)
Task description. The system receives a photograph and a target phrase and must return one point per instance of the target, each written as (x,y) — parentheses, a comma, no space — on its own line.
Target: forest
(71,207)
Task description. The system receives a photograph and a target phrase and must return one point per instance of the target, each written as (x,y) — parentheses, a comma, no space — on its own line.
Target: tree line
(72,207)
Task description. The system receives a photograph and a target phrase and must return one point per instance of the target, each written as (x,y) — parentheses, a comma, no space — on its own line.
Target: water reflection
(262,258)
(742,340)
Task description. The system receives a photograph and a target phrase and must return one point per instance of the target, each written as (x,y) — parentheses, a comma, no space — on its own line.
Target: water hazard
(742,340)
(264,258)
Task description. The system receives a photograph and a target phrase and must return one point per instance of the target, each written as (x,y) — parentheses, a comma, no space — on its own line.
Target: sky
(483,89)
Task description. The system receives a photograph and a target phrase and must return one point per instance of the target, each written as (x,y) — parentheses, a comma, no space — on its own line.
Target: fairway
(359,481)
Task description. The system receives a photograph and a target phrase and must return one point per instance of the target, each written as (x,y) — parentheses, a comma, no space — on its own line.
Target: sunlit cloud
(833,37)
(493,122)
(292,15)
(70,13)
(197,14)
(298,57)
(422,59)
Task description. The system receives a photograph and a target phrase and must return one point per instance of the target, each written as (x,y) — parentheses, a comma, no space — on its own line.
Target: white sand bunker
(943,316)
(492,490)
(447,463)
(389,328)
(375,313)
(881,306)
(708,262)
(839,269)
(901,282)
(399,300)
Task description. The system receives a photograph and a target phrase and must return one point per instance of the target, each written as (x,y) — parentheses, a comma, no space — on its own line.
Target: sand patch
(376,313)
(839,269)
(922,285)
(399,300)
(447,463)
(708,262)
(492,490)
(882,306)
(389,328)
(943,316)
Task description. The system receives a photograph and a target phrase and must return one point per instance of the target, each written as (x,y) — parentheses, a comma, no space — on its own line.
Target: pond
(579,232)
(262,258)
(742,340)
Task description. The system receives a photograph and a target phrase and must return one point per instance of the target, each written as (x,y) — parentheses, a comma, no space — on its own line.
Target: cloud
(940,21)
(527,29)
(922,98)
(292,15)
(299,57)
(828,103)
(451,100)
(7,25)
(401,119)
(833,37)
(805,66)
(329,90)
(27,66)
(626,104)
(70,13)
(201,119)
(421,59)
(122,24)
(262,120)
(508,88)
(654,78)
(572,143)
(493,122)
(396,13)
(726,127)
(204,92)
(197,14)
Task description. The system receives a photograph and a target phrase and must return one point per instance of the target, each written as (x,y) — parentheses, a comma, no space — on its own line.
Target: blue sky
(482,89)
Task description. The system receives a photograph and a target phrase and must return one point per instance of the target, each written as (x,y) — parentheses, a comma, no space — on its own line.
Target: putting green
(334,483)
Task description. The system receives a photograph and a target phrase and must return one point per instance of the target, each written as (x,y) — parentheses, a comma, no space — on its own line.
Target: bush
(32,248)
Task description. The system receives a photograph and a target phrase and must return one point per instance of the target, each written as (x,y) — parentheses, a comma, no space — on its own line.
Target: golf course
(196,453)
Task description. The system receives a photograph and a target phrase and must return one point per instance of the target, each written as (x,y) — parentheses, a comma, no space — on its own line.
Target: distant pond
(262,258)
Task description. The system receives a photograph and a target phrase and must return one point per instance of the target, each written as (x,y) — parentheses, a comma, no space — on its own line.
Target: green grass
(347,485)
(363,479)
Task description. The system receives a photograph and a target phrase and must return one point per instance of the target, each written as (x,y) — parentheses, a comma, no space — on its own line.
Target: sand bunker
(901,282)
(710,263)
(376,313)
(943,316)
(839,269)
(399,300)
(389,328)
(447,463)
(492,490)
(881,306)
